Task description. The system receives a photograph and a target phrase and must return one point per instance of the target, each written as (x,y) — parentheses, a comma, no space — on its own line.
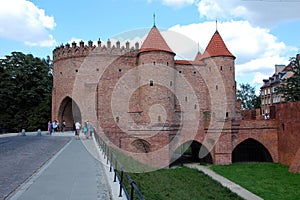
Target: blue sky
(259,33)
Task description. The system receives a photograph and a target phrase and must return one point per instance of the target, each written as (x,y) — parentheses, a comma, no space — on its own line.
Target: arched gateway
(251,150)
(192,151)
(70,112)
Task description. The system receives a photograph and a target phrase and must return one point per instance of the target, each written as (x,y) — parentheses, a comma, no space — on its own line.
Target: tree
(246,94)
(290,87)
(25,92)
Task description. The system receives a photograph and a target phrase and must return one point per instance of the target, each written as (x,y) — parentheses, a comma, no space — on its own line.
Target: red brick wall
(264,131)
(288,116)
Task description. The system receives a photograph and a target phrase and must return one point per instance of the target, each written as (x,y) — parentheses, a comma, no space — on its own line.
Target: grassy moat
(267,180)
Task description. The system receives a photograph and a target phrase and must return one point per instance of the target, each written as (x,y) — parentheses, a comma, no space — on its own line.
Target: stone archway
(250,150)
(70,112)
(191,152)
(141,146)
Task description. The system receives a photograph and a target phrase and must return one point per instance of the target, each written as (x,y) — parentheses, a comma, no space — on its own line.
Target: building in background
(269,97)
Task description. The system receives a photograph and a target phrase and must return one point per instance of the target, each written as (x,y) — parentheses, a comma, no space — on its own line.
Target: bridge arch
(69,111)
(251,150)
(192,151)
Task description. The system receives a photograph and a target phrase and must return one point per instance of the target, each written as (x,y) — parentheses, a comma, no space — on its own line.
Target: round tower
(220,62)
(221,83)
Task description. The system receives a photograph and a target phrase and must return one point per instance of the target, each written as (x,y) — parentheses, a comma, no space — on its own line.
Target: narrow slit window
(151,82)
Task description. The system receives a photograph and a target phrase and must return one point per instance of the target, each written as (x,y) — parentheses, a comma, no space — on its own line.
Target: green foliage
(267,180)
(25,92)
(290,89)
(180,183)
(246,94)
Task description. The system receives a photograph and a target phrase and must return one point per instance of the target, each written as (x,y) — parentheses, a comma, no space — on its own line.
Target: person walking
(91,129)
(63,126)
(77,130)
(51,128)
(85,130)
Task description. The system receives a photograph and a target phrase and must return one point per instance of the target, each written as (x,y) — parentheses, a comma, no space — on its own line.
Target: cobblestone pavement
(21,156)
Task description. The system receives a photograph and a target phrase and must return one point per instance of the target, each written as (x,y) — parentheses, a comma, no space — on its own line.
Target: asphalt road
(21,156)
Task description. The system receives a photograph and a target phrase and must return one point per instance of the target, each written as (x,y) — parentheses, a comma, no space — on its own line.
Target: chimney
(279,68)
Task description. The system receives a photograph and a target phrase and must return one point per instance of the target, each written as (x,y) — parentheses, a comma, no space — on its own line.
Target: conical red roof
(216,47)
(155,42)
(198,56)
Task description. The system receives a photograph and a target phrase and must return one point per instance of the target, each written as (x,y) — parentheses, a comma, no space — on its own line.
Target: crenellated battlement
(82,50)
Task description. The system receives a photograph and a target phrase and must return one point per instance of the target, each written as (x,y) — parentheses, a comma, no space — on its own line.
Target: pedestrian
(91,131)
(51,128)
(77,130)
(85,130)
(55,126)
(63,126)
(49,124)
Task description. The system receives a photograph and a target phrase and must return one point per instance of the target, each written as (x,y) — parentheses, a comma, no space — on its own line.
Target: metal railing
(120,174)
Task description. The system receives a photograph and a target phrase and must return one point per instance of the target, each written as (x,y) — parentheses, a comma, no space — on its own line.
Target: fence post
(111,161)
(107,156)
(121,182)
(104,151)
(23,132)
(115,177)
(131,191)
(39,132)
(116,168)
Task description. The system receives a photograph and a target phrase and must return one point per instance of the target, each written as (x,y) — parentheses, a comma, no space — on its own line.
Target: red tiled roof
(183,62)
(188,62)
(216,47)
(155,42)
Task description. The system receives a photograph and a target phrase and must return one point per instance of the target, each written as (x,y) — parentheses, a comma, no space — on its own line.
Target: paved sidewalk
(242,192)
(73,173)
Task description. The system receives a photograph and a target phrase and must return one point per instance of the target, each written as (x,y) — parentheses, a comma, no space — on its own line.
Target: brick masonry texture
(146,101)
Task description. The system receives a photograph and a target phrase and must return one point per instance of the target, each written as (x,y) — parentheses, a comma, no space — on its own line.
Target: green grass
(267,180)
(180,183)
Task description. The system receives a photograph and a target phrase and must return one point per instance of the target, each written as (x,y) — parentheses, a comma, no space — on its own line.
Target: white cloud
(262,13)
(21,20)
(256,49)
(178,3)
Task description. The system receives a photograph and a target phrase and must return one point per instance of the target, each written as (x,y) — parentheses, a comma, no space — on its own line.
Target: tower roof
(155,42)
(216,47)
(198,56)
